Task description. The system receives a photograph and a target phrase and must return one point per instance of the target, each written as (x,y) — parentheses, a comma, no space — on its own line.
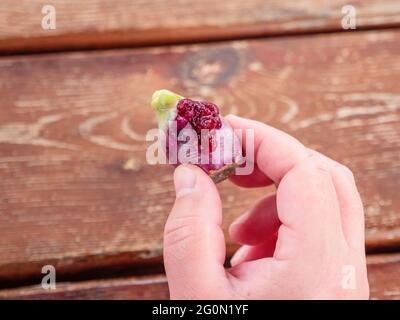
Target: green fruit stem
(164,102)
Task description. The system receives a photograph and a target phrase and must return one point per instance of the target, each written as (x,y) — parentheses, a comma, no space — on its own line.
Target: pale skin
(297,244)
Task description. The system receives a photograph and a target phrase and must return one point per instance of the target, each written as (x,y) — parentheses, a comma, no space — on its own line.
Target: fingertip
(184,180)
(256,178)
(231,116)
(239,256)
(234,120)
(189,178)
(196,195)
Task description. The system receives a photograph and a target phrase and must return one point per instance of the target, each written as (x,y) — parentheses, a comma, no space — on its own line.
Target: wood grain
(132,288)
(76,191)
(383,274)
(101,23)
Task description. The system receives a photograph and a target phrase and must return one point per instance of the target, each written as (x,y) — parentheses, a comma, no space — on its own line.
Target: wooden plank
(76,191)
(100,23)
(131,288)
(383,274)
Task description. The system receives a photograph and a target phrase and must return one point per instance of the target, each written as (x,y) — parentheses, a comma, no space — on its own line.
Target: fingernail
(239,255)
(184,180)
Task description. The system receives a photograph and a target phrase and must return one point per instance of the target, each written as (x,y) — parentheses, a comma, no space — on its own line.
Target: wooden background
(75,189)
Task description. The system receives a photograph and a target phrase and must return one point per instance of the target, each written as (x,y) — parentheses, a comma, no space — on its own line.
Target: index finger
(275,152)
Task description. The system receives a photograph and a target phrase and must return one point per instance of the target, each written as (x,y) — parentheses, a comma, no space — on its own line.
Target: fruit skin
(179,116)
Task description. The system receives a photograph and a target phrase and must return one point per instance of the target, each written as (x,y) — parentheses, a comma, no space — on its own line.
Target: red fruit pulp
(201,115)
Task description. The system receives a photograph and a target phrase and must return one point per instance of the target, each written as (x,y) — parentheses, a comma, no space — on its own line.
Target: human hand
(298,244)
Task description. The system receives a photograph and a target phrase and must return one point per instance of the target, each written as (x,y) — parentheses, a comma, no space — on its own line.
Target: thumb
(194,245)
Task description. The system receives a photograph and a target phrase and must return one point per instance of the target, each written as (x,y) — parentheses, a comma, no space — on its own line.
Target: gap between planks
(383,275)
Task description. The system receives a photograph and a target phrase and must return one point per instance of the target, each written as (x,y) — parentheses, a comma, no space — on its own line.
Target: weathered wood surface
(383,274)
(101,23)
(132,288)
(75,189)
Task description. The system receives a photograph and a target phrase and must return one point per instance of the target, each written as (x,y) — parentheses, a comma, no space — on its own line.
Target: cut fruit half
(197,133)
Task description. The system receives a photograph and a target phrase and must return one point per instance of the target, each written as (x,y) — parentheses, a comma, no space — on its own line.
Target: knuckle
(178,230)
(317,162)
(346,170)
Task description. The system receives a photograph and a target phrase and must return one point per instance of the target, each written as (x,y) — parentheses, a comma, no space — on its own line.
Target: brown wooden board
(383,274)
(76,191)
(132,288)
(103,23)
